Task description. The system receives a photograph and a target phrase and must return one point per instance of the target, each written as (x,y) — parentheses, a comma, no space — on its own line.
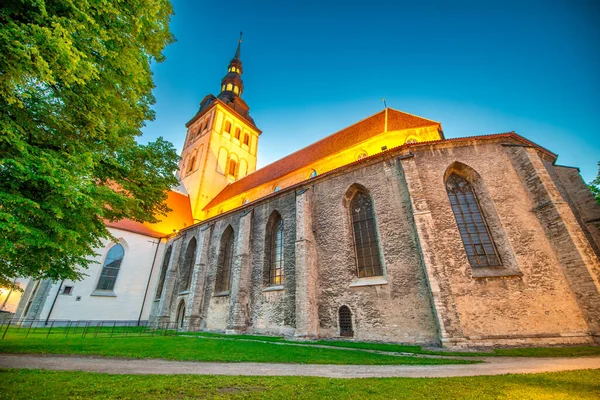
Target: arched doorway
(345,317)
(180,314)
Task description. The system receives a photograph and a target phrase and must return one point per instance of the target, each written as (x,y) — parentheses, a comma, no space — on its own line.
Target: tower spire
(231,84)
(237,52)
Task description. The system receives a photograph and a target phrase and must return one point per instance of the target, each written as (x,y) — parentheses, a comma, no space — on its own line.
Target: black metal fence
(39,328)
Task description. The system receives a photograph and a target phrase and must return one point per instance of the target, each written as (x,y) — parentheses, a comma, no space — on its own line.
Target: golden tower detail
(221,141)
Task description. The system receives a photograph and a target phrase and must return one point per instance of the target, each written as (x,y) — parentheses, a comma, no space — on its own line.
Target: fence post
(50,330)
(6,330)
(28,330)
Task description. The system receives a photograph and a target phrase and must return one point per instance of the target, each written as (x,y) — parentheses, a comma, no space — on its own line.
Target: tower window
(191,164)
(232,168)
(236,90)
(229,86)
(246,139)
(238,133)
(227,127)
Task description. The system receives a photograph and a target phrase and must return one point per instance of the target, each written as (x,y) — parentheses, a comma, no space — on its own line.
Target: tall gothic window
(276,253)
(188,265)
(223,282)
(163,272)
(111,267)
(368,259)
(473,229)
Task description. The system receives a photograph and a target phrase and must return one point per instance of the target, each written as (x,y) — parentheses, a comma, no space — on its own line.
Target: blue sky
(313,68)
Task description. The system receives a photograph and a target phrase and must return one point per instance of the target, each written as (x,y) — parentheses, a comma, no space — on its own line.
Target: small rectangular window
(68,290)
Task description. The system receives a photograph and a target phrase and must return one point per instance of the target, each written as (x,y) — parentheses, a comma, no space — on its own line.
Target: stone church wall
(533,299)
(399,310)
(544,292)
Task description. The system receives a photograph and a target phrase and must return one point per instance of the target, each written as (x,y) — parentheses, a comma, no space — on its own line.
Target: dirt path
(492,366)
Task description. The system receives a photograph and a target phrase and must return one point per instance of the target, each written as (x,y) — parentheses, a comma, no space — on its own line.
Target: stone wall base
(520,341)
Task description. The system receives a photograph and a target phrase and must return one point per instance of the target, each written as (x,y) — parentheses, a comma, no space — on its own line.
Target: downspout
(149,278)
(54,302)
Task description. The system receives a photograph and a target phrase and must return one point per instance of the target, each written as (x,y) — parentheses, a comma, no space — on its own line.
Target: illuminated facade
(384,230)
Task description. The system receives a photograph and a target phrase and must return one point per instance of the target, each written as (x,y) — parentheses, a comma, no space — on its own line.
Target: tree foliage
(75,90)
(595,185)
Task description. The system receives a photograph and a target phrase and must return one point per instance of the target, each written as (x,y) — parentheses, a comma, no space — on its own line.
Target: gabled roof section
(383,121)
(179,218)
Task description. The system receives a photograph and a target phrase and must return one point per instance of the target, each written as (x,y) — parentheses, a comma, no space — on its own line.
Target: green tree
(75,90)
(595,185)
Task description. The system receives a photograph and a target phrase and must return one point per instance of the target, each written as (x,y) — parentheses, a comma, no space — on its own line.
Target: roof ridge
(310,145)
(413,115)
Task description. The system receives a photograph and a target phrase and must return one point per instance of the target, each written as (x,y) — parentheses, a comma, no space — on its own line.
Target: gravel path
(492,366)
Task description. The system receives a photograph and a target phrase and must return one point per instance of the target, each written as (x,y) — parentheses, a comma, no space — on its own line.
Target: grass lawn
(30,384)
(569,351)
(201,349)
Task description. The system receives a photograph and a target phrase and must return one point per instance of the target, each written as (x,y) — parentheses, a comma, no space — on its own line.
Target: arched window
(238,133)
(276,188)
(190,166)
(236,90)
(110,270)
(232,168)
(229,86)
(163,272)
(276,252)
(312,173)
(246,139)
(188,266)
(180,314)
(223,282)
(227,127)
(473,229)
(345,316)
(368,260)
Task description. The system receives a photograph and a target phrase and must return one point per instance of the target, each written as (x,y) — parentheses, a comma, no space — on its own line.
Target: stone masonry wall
(429,291)
(398,310)
(533,301)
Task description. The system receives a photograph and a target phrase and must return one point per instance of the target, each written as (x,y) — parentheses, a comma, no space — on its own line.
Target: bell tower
(221,141)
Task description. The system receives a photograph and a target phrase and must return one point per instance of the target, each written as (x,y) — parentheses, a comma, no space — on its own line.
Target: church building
(384,230)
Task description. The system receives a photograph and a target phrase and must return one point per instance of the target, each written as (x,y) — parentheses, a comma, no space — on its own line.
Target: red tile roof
(178,218)
(346,138)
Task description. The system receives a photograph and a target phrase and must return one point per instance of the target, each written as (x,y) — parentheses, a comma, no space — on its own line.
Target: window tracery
(473,229)
(368,259)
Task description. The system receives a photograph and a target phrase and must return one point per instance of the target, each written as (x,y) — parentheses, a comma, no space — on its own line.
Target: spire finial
(237,52)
